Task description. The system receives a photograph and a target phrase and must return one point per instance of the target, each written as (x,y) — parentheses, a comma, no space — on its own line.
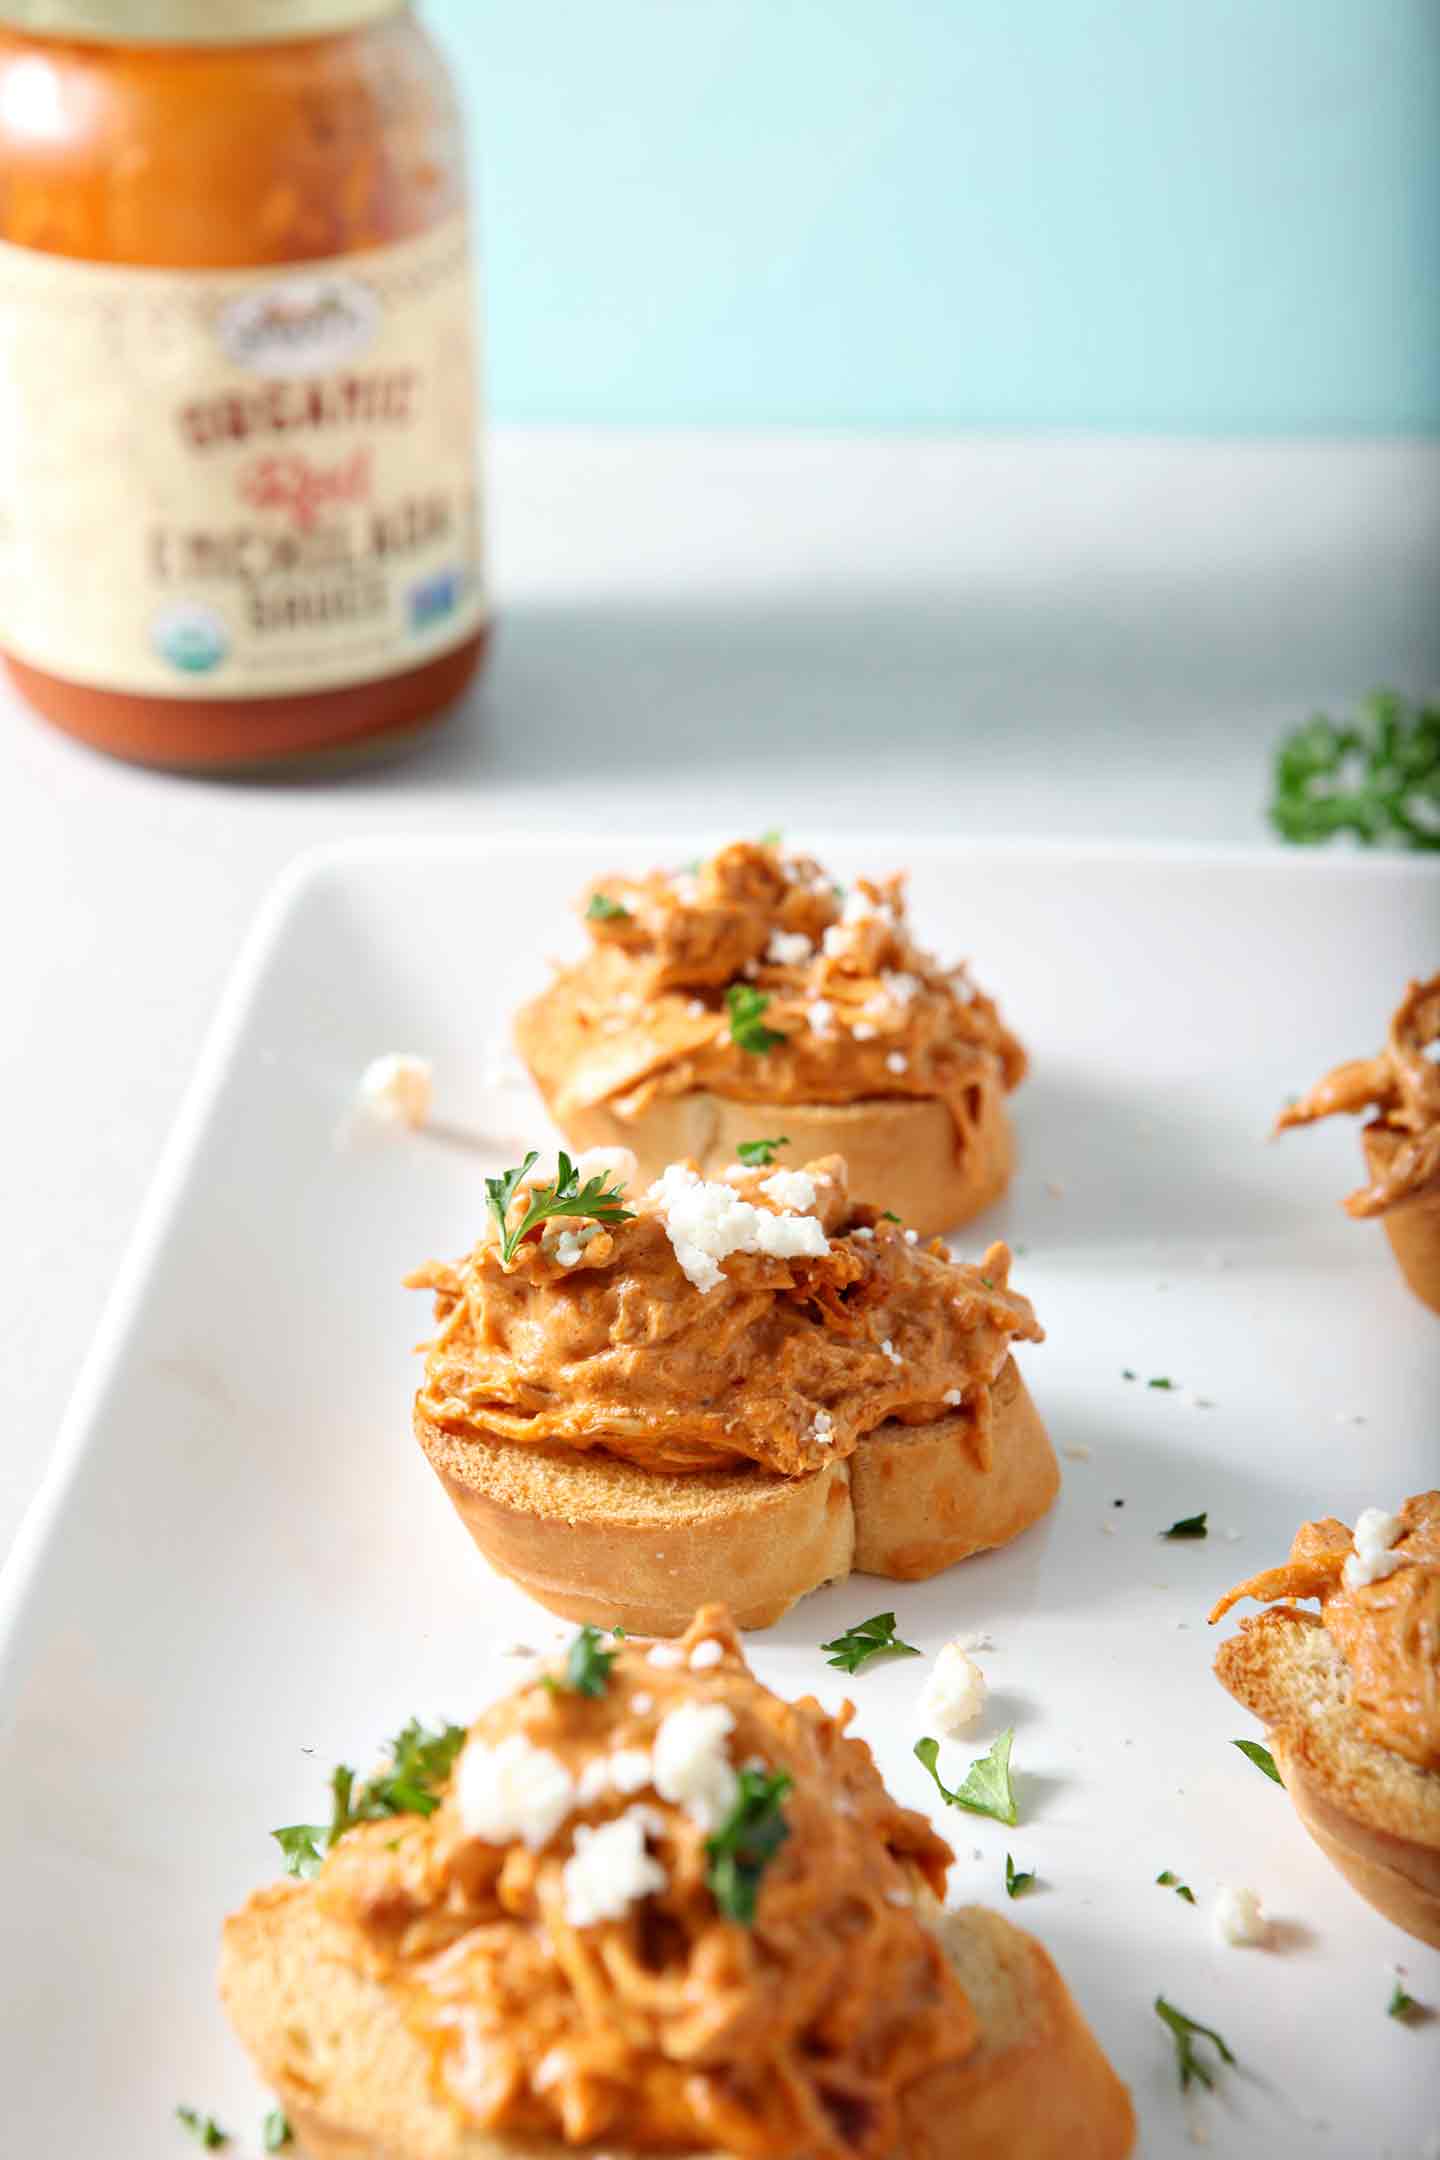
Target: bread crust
(1413,1227)
(353,2078)
(593,1538)
(1376,1828)
(901,1152)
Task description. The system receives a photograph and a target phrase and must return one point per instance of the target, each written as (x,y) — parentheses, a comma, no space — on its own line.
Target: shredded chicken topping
(859,1010)
(1403,1085)
(1388,1630)
(787,1359)
(668,2025)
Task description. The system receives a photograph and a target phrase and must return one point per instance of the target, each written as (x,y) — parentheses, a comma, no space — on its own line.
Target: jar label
(239,483)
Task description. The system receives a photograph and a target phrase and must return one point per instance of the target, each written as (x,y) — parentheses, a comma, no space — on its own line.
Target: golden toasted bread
(594,1538)
(1413,1225)
(353,2078)
(1373,1813)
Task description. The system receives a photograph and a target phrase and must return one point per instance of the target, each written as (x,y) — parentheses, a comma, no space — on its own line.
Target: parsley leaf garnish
(1404,2007)
(1185,2030)
(1017,1880)
(772,837)
(1169,1880)
(1127,1374)
(203,2128)
(747,1841)
(745,1005)
(986,1789)
(275,2131)
(564,1195)
(1378,778)
(889,1215)
(301,1843)
(875,1637)
(602,908)
(587,1666)
(1261,1757)
(1168,1385)
(1188,1526)
(759,1154)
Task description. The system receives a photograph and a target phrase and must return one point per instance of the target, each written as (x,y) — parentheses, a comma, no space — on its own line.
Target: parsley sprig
(421,1759)
(759,1154)
(986,1788)
(745,1006)
(564,1195)
(1261,1757)
(747,1841)
(1185,2031)
(587,1666)
(1378,777)
(875,1637)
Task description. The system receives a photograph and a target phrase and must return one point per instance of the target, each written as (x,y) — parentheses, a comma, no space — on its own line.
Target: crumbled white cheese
(954,1693)
(593,1782)
(706,1654)
(862,1233)
(512,1790)
(608,1871)
(571,1243)
(912,1237)
(396,1089)
(685,886)
(1238,1918)
(888,1349)
(823,1428)
(954,1396)
(789,948)
(896,1062)
(667,1655)
(858,908)
(794,1189)
(692,1769)
(821,1015)
(1375,1533)
(630,1769)
(641,1703)
(696,1008)
(903,988)
(863,1031)
(898,1897)
(707,1222)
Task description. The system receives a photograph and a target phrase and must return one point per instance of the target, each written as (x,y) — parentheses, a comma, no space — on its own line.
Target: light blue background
(1190,215)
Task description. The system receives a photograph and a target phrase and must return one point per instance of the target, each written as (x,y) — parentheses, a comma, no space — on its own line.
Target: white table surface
(719,633)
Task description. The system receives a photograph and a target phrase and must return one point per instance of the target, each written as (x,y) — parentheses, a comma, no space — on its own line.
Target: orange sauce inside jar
(193,161)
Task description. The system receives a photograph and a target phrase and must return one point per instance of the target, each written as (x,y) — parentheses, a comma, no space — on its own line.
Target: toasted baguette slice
(1413,1227)
(353,2078)
(1374,1814)
(902,1152)
(594,1538)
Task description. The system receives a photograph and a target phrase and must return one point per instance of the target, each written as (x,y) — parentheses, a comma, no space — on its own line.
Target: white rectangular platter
(240,1571)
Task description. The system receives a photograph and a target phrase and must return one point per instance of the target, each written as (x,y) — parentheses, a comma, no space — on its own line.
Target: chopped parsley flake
(203,2128)
(1185,2032)
(587,1666)
(1261,1757)
(1017,1880)
(986,1788)
(746,1842)
(1169,1385)
(1168,1880)
(275,2131)
(746,1006)
(1189,1526)
(302,1844)
(759,1154)
(1403,2006)
(602,908)
(875,1637)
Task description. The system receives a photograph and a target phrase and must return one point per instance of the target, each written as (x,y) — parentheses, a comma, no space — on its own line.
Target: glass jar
(239,513)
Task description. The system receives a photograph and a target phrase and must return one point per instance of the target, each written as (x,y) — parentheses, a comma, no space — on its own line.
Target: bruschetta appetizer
(644,1905)
(1401,1141)
(749,996)
(1352,1698)
(640,1398)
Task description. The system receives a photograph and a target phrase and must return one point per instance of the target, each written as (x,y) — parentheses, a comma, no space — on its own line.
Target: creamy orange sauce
(862,1011)
(1402,1085)
(1388,1631)
(672,2026)
(786,1362)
